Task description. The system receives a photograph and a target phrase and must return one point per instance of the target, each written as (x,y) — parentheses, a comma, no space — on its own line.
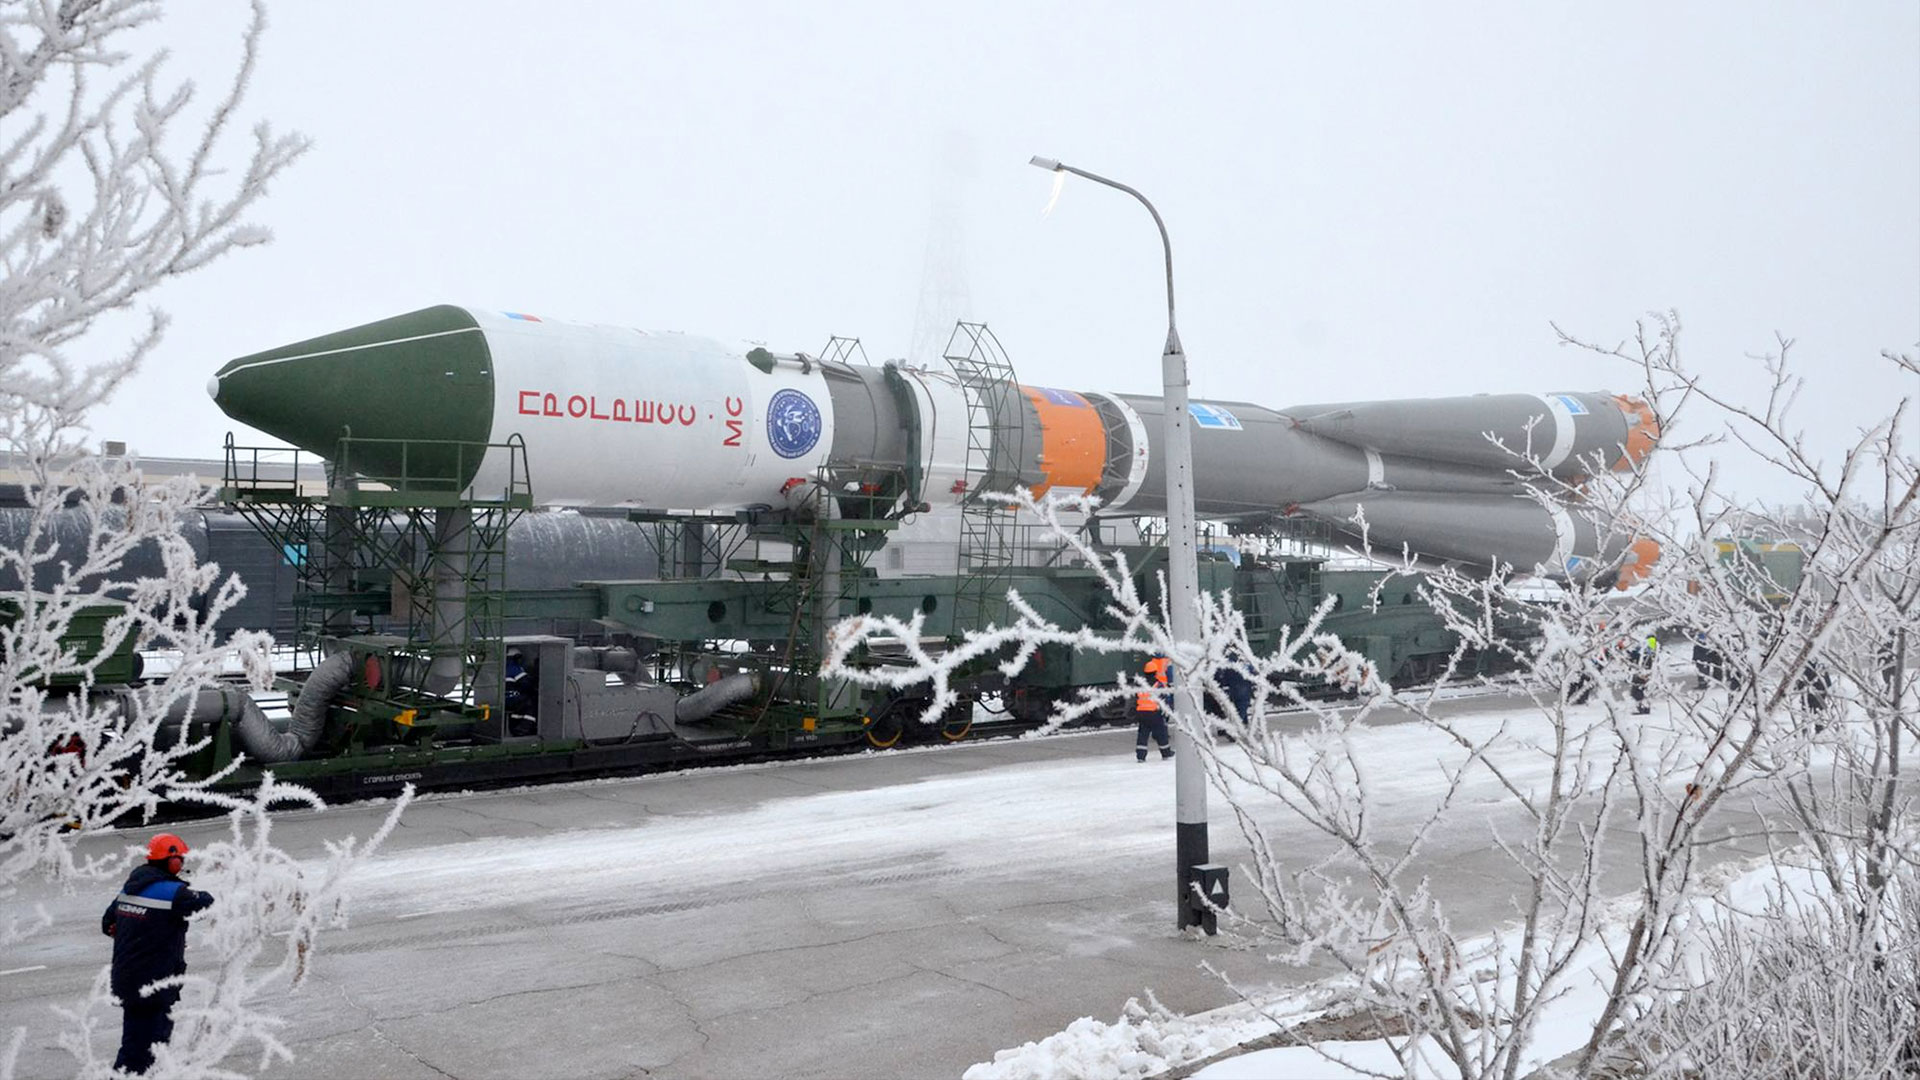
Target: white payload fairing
(616,417)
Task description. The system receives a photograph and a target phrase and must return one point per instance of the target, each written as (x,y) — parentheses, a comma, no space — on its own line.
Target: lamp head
(1044,163)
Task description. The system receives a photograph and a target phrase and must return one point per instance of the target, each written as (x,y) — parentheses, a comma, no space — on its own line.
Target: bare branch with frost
(1798,739)
(112,182)
(267,904)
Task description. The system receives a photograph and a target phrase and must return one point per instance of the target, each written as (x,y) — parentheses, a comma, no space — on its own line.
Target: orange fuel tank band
(1073,442)
(1643,552)
(1643,431)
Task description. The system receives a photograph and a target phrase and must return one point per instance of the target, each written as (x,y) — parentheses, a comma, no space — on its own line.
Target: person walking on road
(148,924)
(1642,655)
(1146,708)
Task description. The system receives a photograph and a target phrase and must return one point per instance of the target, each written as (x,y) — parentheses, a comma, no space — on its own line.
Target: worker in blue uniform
(148,924)
(1233,682)
(521,685)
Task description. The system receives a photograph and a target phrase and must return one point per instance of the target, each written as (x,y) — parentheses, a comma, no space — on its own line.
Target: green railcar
(90,658)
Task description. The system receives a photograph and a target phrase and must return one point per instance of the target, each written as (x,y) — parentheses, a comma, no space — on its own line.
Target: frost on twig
(1134,622)
(257,940)
(115,177)
(1599,822)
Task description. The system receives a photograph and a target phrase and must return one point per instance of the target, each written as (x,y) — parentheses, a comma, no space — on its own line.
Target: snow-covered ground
(1145,1042)
(1407,762)
(1010,886)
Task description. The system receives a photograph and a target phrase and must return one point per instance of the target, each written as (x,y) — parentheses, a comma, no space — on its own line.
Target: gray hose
(203,713)
(262,743)
(704,703)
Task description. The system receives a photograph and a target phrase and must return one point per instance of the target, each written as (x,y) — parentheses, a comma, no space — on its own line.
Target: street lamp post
(1183,585)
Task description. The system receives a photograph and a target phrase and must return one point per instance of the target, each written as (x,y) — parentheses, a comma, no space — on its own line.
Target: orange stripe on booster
(1073,442)
(1643,553)
(1643,431)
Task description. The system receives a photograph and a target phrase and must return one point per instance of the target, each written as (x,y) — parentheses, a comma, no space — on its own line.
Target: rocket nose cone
(422,377)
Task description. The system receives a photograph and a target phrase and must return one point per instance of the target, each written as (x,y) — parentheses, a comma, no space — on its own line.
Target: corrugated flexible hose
(261,742)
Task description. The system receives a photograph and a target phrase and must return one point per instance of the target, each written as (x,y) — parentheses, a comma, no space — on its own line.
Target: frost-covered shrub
(113,180)
(1799,990)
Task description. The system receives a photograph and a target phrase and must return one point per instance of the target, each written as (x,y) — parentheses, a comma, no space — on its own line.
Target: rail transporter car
(765,484)
(714,658)
(709,656)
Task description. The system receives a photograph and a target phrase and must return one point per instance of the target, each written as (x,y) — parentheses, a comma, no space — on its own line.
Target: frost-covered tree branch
(259,937)
(115,177)
(1137,626)
(102,198)
(1792,733)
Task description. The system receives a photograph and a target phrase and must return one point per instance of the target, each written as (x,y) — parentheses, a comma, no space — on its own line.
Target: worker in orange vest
(1146,708)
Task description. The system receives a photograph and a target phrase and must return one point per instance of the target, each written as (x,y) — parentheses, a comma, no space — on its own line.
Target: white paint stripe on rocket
(1137,467)
(942,418)
(1564,537)
(1376,469)
(1562,431)
(927,421)
(351,348)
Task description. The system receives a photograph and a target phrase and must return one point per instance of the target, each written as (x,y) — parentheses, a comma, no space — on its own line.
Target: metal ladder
(994,437)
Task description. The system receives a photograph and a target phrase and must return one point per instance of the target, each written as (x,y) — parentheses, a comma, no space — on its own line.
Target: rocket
(617,417)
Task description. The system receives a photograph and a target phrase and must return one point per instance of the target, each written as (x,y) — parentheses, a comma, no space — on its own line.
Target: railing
(408,468)
(379,471)
(281,472)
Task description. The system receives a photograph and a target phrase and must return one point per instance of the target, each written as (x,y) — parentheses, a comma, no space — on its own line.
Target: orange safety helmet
(165,846)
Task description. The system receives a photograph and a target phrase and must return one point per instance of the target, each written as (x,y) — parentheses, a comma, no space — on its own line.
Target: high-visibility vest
(1157,668)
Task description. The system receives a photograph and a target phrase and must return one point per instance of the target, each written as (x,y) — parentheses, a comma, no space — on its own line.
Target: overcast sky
(1365,201)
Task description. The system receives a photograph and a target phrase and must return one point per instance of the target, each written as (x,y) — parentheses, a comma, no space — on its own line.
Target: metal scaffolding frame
(995,444)
(422,565)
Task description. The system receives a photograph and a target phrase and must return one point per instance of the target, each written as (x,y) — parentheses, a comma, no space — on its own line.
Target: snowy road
(887,915)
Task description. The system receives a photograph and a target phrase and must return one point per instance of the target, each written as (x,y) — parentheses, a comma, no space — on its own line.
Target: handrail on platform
(423,466)
(390,470)
(256,470)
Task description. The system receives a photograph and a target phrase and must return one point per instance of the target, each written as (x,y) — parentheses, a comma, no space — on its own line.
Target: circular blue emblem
(793,423)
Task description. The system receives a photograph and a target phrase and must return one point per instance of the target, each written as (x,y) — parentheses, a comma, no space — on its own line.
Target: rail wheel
(886,730)
(957,721)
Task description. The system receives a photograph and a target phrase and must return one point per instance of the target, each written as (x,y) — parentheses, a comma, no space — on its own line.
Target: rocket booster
(616,417)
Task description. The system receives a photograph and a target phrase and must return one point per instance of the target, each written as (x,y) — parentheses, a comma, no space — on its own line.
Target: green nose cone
(406,400)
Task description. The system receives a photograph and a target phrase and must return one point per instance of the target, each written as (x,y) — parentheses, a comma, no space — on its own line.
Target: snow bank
(1145,1041)
(1567,1023)
(1148,1041)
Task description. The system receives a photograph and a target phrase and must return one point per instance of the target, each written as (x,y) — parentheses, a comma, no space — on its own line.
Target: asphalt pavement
(890,915)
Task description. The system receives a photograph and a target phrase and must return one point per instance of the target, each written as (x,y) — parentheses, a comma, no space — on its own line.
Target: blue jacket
(148,924)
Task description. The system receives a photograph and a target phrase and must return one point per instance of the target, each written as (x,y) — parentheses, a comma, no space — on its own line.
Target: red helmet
(164,846)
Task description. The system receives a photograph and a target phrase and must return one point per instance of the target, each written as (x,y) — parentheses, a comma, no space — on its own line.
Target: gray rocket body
(1486,431)
(617,417)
